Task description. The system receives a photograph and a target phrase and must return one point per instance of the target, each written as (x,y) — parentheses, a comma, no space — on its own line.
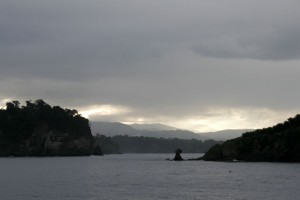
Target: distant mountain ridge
(117,128)
(152,127)
(160,130)
(225,134)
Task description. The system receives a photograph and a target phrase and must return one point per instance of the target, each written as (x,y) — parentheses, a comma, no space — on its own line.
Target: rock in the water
(177,155)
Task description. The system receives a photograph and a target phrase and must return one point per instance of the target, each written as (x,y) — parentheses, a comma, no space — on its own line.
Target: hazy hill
(116,128)
(279,143)
(152,127)
(112,129)
(160,130)
(225,134)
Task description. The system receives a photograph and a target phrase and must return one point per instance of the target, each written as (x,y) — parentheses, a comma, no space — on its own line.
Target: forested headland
(280,143)
(38,129)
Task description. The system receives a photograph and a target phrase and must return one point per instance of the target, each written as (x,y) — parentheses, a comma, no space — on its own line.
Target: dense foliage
(278,143)
(30,125)
(17,123)
(107,144)
(161,145)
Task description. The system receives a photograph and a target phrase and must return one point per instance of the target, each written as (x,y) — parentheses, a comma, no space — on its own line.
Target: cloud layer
(166,61)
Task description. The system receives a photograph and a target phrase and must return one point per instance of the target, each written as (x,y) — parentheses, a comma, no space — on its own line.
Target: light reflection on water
(144,176)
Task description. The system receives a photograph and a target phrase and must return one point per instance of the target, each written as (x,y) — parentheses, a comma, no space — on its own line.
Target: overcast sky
(201,65)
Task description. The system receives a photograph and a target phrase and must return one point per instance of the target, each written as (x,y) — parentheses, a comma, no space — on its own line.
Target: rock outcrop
(177,155)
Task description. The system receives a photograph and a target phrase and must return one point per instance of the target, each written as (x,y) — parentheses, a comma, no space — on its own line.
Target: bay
(144,176)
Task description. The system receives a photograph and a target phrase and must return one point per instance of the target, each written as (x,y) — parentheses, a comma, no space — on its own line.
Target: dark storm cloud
(159,58)
(275,45)
(43,38)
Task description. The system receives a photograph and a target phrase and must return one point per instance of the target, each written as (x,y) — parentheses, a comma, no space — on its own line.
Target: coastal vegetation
(280,143)
(38,129)
(107,144)
(141,144)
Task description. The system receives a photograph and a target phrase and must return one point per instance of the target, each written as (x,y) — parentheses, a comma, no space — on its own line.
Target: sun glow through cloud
(3,102)
(216,119)
(212,119)
(237,118)
(102,110)
(202,66)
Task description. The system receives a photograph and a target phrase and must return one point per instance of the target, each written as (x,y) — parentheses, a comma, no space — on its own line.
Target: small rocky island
(280,143)
(177,155)
(38,129)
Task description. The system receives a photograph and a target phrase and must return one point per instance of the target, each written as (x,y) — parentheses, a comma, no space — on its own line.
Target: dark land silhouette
(127,144)
(107,144)
(280,143)
(38,129)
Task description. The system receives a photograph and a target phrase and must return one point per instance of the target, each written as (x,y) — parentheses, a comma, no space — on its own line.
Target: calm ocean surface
(144,176)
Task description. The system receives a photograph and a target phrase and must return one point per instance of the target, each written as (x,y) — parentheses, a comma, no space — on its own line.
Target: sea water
(145,176)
